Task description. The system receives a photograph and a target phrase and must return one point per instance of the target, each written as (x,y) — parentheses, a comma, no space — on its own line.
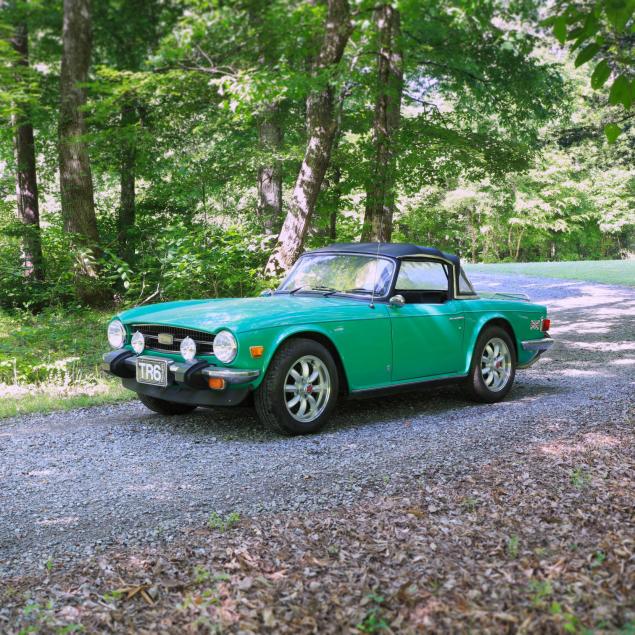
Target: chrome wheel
(496,364)
(307,387)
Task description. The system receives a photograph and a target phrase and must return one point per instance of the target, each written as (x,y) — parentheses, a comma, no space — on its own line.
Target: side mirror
(397,301)
(266,293)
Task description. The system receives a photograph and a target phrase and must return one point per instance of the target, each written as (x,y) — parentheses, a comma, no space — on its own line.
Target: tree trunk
(270,174)
(321,128)
(26,174)
(76,185)
(337,196)
(380,190)
(127,206)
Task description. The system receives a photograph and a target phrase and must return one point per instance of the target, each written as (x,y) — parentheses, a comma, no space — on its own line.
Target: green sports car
(351,320)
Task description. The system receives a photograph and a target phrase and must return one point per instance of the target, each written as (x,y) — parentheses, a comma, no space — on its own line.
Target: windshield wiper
(326,290)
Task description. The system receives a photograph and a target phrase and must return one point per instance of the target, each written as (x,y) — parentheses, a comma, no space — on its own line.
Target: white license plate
(151,370)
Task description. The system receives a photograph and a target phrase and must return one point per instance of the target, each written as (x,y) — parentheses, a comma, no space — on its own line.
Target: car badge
(535,325)
(166,338)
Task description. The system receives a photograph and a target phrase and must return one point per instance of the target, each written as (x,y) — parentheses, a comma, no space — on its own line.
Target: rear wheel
(164,407)
(493,366)
(300,388)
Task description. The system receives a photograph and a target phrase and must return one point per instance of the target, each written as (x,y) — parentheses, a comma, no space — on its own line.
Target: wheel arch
(322,338)
(491,320)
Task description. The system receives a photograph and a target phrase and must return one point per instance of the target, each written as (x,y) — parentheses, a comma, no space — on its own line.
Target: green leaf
(618,12)
(587,53)
(612,132)
(600,75)
(621,92)
(560,29)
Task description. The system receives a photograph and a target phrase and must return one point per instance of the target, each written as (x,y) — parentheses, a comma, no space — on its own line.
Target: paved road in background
(79,482)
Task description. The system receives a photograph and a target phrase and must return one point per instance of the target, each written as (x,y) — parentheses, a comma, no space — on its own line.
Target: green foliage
(223,523)
(373,621)
(601,31)
(500,155)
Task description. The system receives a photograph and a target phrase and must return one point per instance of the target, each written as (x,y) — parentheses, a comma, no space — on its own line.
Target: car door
(427,331)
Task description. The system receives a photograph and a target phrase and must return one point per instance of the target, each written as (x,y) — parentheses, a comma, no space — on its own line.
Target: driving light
(188,348)
(138,343)
(225,347)
(116,334)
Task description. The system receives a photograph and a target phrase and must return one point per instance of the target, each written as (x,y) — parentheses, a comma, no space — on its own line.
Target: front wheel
(164,407)
(300,388)
(493,366)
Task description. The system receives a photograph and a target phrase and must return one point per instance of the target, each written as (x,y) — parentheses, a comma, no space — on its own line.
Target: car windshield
(339,273)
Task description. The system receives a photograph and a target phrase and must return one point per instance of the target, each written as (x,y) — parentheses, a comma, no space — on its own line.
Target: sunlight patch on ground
(581,328)
(48,472)
(623,362)
(64,520)
(603,346)
(579,372)
(593,440)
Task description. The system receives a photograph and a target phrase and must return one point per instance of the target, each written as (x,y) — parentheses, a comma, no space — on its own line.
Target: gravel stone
(80,482)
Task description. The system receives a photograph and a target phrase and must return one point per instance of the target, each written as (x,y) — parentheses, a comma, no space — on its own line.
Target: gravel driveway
(79,482)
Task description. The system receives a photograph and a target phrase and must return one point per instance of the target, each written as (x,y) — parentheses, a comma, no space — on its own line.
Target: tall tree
(26,174)
(321,128)
(270,172)
(76,184)
(380,187)
(270,132)
(127,179)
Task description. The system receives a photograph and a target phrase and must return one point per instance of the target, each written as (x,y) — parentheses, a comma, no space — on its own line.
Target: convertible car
(353,319)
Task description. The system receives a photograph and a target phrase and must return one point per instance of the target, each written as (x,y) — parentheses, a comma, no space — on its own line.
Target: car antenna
(372,294)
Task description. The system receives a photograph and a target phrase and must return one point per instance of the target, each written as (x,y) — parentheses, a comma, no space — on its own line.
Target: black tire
(165,407)
(475,384)
(269,398)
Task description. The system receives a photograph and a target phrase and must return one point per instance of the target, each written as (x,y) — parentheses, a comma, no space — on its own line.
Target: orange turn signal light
(216,383)
(256,351)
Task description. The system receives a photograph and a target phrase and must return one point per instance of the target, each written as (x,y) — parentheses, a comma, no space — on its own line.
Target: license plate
(151,370)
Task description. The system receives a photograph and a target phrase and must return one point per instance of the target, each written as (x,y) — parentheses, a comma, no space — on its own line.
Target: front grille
(204,341)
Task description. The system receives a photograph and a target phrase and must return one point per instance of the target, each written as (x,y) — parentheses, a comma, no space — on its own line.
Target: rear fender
(475,326)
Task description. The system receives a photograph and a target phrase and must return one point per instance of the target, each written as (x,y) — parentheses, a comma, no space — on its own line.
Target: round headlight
(116,334)
(138,342)
(225,347)
(188,349)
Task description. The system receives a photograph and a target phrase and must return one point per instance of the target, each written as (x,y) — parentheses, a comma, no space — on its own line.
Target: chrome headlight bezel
(187,349)
(116,334)
(225,347)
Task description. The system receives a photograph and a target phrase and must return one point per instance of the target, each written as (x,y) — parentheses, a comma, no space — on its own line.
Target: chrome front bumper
(195,373)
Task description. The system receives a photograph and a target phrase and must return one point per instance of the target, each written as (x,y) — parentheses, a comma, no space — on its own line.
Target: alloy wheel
(496,364)
(307,387)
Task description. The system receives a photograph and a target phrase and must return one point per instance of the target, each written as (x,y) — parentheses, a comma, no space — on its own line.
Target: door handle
(460,317)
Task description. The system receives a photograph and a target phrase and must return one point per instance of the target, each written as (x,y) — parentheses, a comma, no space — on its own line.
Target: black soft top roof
(392,250)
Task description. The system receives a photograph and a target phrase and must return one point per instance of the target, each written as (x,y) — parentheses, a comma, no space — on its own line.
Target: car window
(420,275)
(465,286)
(346,273)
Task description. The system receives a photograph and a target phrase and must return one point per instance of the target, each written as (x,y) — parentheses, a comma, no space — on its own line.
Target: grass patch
(50,361)
(47,398)
(606,271)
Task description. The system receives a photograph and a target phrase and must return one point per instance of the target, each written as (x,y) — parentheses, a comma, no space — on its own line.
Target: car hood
(240,314)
